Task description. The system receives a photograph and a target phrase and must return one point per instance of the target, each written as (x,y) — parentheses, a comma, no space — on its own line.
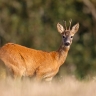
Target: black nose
(67,44)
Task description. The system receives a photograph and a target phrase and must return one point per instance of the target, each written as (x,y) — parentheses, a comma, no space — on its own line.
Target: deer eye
(71,36)
(63,36)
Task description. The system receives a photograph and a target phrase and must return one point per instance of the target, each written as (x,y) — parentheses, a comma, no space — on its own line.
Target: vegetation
(69,87)
(32,23)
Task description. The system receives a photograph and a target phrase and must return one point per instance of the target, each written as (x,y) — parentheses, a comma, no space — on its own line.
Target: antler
(65,25)
(70,21)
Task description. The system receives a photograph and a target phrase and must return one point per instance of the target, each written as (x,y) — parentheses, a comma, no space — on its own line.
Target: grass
(69,86)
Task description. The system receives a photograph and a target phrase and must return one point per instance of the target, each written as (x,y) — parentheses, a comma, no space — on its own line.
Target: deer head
(67,33)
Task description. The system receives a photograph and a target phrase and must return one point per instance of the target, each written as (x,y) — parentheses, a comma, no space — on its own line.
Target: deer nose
(67,43)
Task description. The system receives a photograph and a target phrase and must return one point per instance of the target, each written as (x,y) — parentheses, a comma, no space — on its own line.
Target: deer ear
(75,28)
(60,28)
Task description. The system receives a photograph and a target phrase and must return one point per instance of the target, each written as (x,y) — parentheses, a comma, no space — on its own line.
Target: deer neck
(62,53)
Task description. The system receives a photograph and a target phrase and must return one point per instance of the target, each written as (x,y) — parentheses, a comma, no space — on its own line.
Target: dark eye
(71,36)
(63,36)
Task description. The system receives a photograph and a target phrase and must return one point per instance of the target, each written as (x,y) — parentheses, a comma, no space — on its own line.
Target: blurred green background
(32,23)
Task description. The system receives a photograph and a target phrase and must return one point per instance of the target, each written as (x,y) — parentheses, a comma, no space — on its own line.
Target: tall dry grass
(69,86)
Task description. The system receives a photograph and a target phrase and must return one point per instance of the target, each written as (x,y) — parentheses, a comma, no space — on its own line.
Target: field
(69,86)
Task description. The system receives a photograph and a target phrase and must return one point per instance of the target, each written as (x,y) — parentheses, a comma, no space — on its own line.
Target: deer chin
(67,46)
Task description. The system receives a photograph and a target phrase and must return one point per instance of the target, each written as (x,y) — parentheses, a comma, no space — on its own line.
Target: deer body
(23,61)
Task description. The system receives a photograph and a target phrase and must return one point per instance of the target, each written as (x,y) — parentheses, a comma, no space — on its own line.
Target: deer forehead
(67,33)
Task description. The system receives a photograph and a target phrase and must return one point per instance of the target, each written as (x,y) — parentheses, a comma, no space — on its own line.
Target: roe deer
(23,61)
